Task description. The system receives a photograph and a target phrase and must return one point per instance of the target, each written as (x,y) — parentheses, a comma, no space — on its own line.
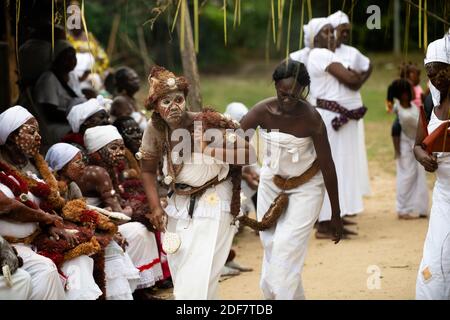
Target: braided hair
(292,69)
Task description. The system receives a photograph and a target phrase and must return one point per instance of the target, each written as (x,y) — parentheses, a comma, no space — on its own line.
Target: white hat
(97,137)
(338,18)
(439,50)
(60,154)
(12,119)
(80,112)
(312,29)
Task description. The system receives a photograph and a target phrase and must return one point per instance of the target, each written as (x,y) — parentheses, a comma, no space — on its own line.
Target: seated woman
(54,91)
(128,84)
(106,149)
(86,115)
(22,168)
(67,162)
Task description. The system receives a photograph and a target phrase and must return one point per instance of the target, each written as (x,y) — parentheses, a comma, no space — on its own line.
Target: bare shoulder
(315,119)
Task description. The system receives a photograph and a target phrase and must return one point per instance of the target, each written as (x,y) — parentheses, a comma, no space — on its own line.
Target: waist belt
(344,114)
(194,192)
(281,202)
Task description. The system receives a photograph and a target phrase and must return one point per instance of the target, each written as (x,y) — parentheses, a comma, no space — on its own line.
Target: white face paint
(172,106)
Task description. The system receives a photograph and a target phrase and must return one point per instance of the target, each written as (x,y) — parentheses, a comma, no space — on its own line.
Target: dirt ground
(385,245)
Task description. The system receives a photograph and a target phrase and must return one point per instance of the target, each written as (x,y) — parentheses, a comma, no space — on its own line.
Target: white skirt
(345,150)
(286,243)
(143,251)
(412,190)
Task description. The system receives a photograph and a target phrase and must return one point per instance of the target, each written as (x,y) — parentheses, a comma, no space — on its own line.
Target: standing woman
(433,279)
(298,152)
(354,60)
(328,75)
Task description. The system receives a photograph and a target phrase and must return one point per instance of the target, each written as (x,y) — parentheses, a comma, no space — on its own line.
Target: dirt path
(340,271)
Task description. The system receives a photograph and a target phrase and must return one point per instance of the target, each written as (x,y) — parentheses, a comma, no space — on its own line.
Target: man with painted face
(128,84)
(106,149)
(433,281)
(206,192)
(21,168)
(329,75)
(353,59)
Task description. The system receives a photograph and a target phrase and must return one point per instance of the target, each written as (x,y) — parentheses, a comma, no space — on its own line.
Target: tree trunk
(189,61)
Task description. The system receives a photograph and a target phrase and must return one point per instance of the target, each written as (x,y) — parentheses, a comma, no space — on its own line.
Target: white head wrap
(236,110)
(438,51)
(60,154)
(98,137)
(80,112)
(12,119)
(338,18)
(312,29)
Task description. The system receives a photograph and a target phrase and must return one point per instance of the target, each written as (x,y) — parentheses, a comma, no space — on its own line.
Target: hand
(429,162)
(58,233)
(53,219)
(121,241)
(158,218)
(336,227)
(9,256)
(128,211)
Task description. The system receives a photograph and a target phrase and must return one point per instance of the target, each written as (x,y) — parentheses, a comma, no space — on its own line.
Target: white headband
(12,119)
(60,154)
(98,137)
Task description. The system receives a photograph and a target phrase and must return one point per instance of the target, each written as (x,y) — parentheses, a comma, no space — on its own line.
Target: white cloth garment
(45,280)
(60,154)
(11,119)
(206,238)
(438,51)
(21,288)
(143,251)
(98,137)
(80,112)
(338,18)
(408,118)
(285,244)
(310,30)
(433,278)
(236,110)
(205,245)
(344,142)
(355,60)
(412,191)
(121,276)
